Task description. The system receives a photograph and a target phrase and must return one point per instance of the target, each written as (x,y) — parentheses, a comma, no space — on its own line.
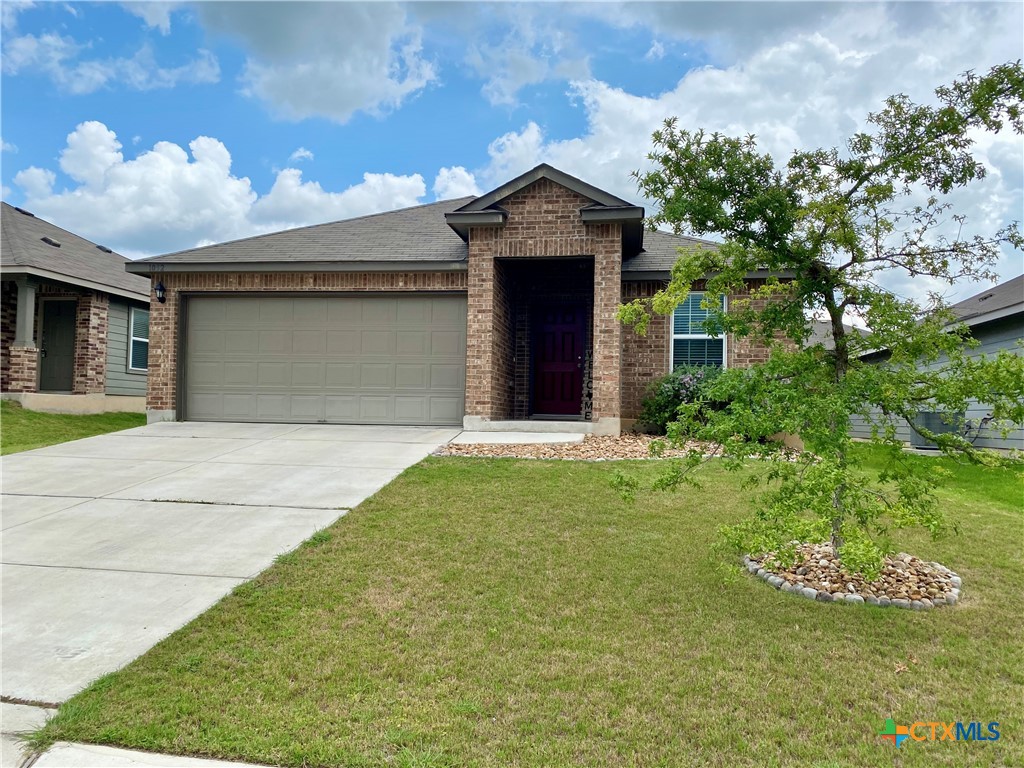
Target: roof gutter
(461,221)
(158,267)
(57,277)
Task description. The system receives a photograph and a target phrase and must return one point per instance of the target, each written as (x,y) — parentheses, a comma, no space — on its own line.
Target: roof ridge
(308,226)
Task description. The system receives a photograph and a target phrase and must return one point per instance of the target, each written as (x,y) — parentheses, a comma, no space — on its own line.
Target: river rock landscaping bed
(592,448)
(905,582)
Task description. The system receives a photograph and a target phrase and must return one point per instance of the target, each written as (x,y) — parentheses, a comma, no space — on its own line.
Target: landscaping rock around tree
(816,573)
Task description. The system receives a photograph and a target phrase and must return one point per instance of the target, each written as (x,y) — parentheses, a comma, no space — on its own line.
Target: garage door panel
(275,342)
(306,408)
(377,344)
(308,375)
(344,359)
(375,375)
(312,342)
(211,342)
(411,376)
(447,344)
(238,374)
(237,311)
(241,342)
(413,343)
(342,375)
(375,408)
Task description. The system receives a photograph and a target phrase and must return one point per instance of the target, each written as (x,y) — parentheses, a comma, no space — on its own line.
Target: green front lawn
(516,613)
(23,430)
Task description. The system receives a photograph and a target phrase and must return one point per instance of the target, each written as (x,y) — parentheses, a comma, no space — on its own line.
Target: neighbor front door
(558,360)
(57,347)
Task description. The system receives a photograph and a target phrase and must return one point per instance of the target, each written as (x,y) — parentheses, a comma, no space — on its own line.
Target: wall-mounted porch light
(161,292)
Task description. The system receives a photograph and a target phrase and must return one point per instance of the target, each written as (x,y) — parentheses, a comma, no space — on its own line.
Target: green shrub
(686,385)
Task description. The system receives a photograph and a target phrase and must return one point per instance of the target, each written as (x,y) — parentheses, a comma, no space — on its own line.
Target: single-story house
(995,318)
(75,324)
(494,312)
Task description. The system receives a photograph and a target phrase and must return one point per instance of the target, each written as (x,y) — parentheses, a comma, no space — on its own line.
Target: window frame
(673,336)
(132,338)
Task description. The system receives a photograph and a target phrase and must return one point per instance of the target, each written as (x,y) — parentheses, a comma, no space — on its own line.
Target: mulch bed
(593,448)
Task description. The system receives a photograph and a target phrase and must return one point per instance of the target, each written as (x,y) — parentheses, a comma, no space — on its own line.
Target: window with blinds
(138,340)
(691,343)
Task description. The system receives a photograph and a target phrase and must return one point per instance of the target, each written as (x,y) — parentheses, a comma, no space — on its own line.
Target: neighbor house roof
(30,245)
(821,333)
(1001,301)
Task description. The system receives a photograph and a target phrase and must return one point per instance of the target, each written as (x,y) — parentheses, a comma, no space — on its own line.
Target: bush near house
(686,385)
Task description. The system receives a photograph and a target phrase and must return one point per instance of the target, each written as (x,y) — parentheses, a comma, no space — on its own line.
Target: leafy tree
(830,223)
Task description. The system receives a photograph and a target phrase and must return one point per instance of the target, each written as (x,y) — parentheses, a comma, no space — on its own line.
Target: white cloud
(656,52)
(291,200)
(300,154)
(9,10)
(6,146)
(59,58)
(812,89)
(325,59)
(454,182)
(536,46)
(167,198)
(156,15)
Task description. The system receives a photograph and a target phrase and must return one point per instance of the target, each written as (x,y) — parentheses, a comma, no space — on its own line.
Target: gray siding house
(996,321)
(75,324)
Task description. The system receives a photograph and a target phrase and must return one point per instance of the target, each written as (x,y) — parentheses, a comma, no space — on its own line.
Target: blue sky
(157,126)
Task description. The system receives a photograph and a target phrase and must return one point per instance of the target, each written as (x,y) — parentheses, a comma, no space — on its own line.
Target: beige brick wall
(163,319)
(543,221)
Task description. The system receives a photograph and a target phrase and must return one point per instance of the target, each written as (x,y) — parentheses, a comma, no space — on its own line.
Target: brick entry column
(91,329)
(606,241)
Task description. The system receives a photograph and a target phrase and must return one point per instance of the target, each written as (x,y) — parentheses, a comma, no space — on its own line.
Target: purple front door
(558,360)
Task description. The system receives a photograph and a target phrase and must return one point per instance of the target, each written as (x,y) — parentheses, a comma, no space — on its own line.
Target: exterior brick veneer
(644,358)
(163,318)
(8,318)
(543,221)
(91,328)
(22,368)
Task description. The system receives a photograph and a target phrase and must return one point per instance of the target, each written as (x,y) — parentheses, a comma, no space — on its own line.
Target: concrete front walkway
(111,543)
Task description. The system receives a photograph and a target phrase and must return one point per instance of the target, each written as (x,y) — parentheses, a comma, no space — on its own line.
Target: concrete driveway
(111,543)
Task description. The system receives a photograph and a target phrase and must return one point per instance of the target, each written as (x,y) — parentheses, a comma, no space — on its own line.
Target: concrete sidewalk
(111,543)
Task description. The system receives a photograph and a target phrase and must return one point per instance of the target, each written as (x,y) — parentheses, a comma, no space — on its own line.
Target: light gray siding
(993,337)
(119,380)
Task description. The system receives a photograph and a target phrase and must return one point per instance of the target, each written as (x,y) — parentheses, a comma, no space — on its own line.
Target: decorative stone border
(949,598)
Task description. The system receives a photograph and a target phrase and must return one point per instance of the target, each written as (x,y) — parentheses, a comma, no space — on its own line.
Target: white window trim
(673,336)
(132,338)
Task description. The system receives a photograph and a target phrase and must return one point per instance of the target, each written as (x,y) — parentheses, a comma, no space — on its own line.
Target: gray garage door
(344,359)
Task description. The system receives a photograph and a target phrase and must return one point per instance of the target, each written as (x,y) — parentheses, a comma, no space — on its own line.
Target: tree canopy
(829,227)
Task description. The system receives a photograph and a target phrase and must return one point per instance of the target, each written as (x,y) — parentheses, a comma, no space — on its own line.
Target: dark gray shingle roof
(76,260)
(410,234)
(661,251)
(1002,296)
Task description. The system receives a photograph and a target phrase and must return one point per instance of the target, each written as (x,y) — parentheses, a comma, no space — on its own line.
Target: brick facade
(163,318)
(543,222)
(22,373)
(644,358)
(91,329)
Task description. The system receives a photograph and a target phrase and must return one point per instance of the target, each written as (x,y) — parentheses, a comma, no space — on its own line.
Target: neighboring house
(496,312)
(996,321)
(75,330)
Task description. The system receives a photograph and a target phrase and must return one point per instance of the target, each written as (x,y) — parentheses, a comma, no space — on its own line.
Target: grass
(23,430)
(515,613)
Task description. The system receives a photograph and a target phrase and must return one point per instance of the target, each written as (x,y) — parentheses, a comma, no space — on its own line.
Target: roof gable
(545,171)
